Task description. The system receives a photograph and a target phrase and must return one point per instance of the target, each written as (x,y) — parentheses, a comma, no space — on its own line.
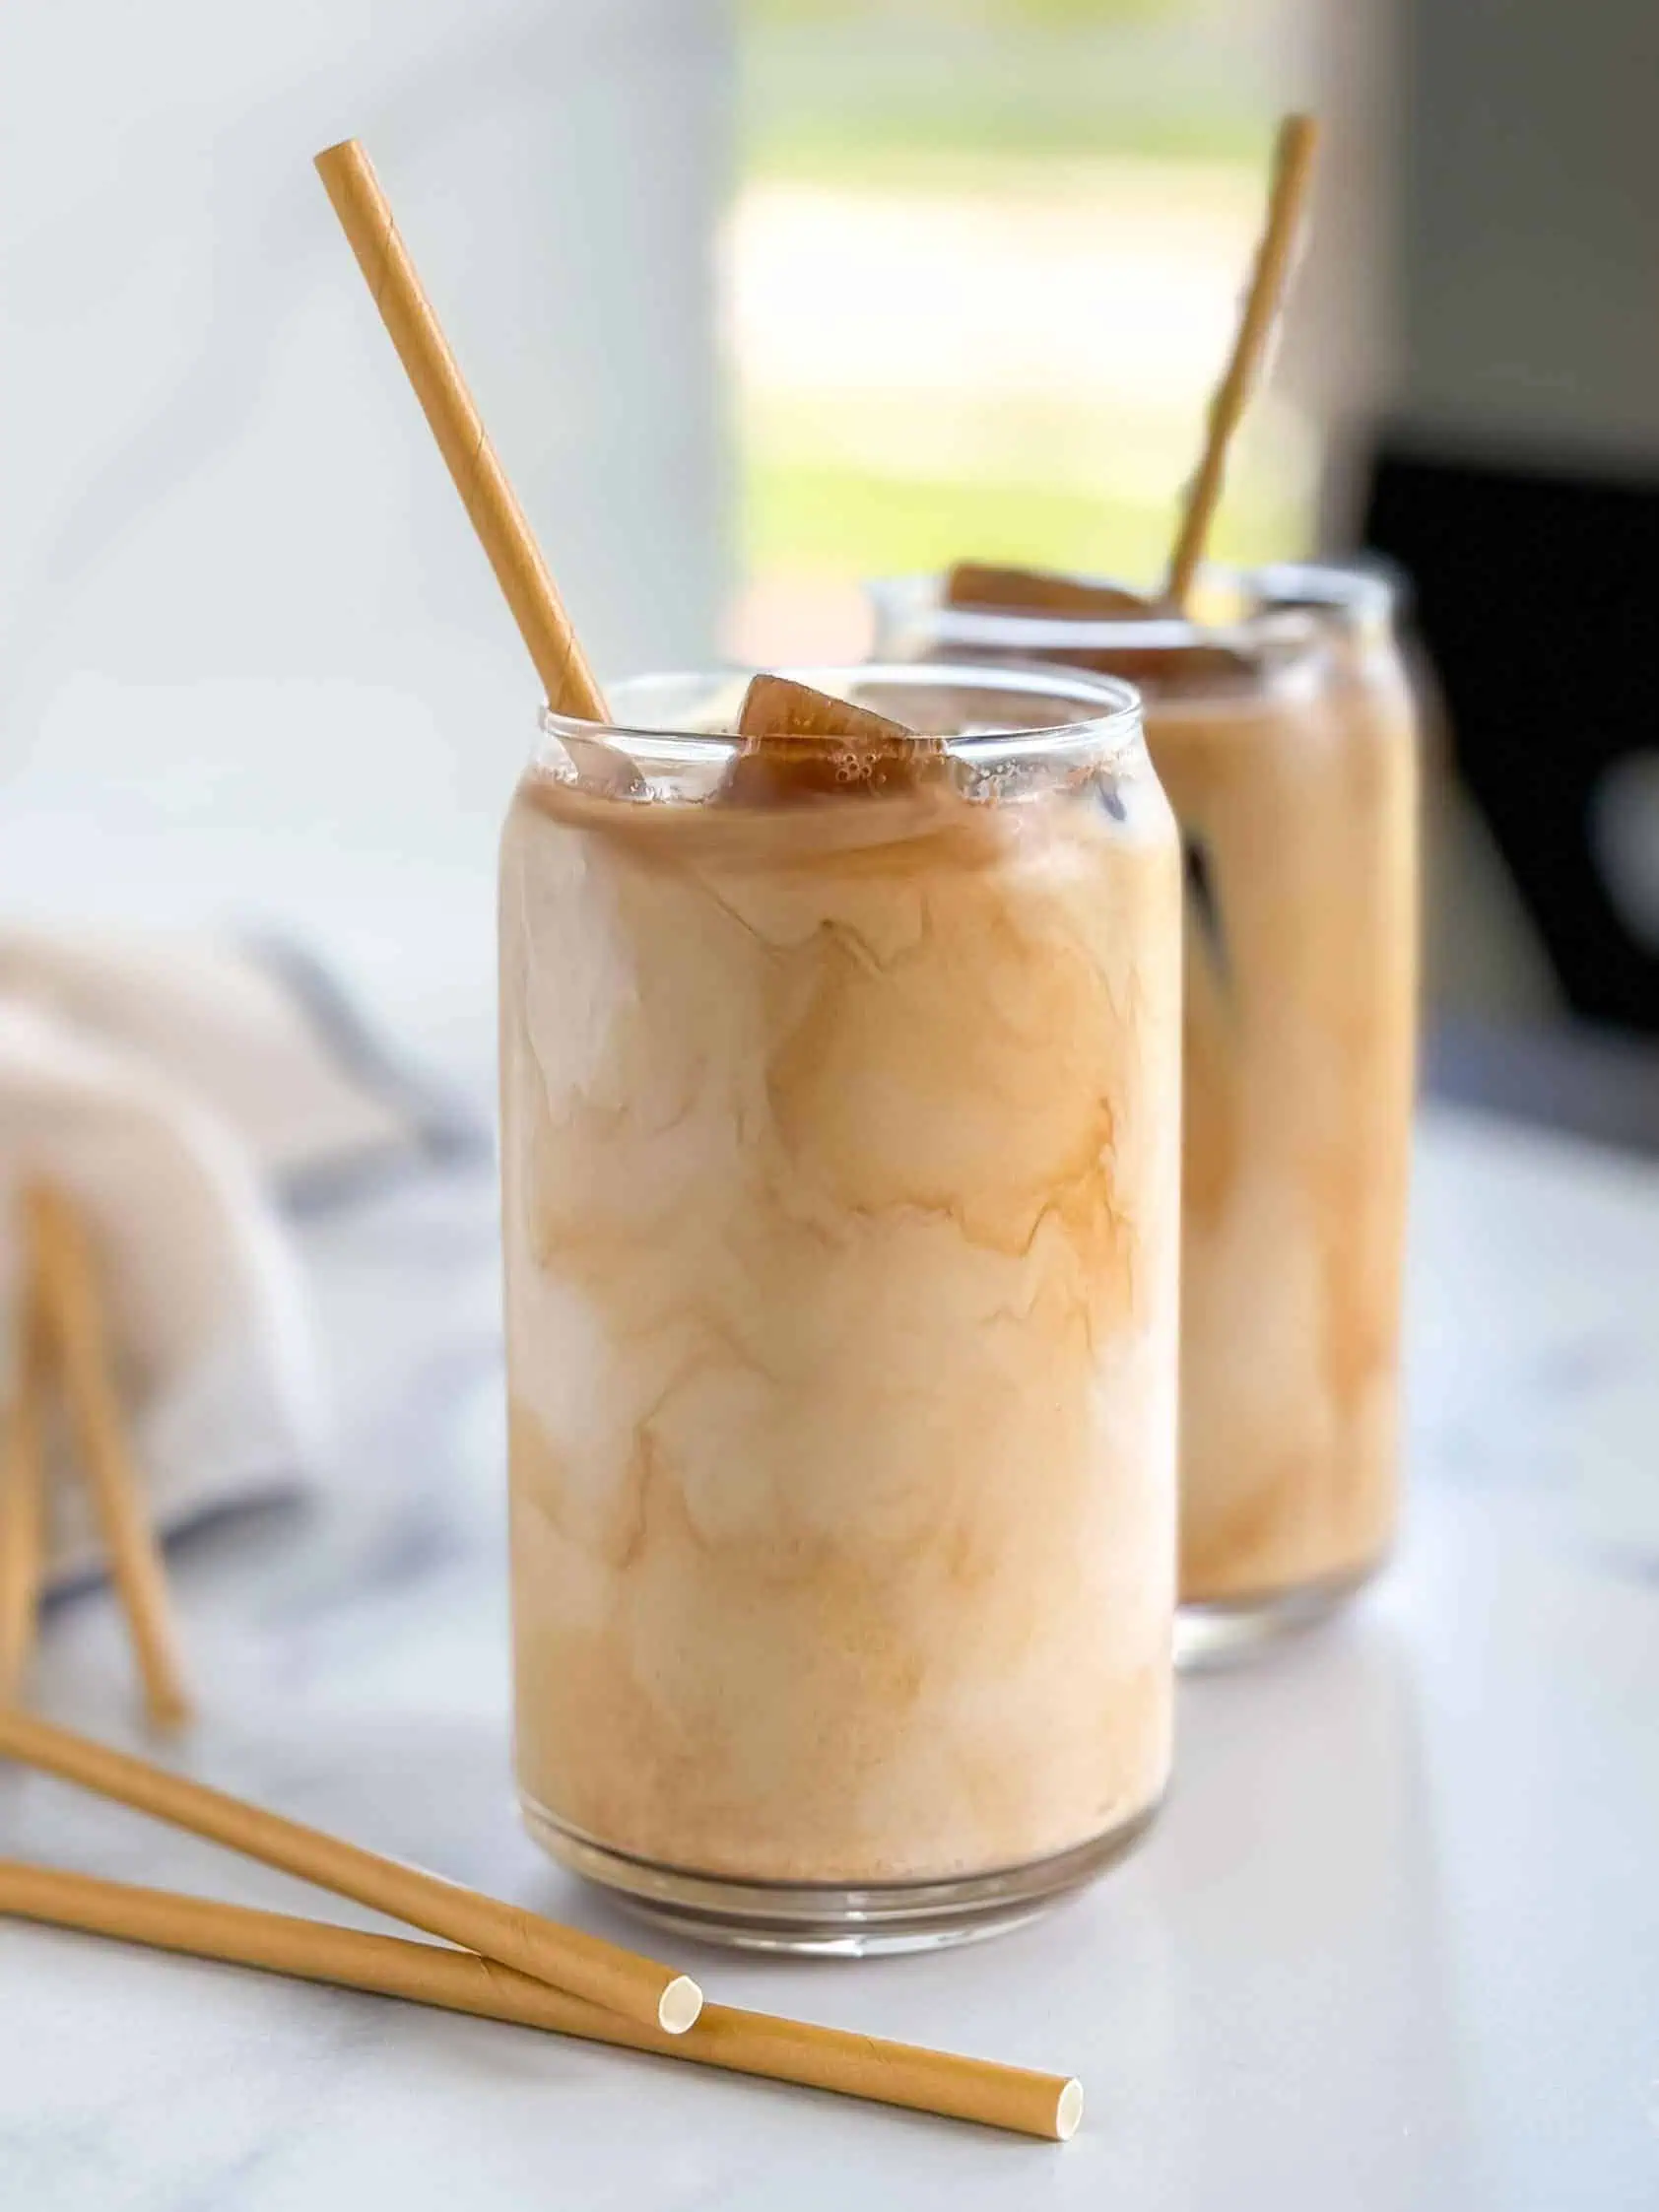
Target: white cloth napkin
(175,1093)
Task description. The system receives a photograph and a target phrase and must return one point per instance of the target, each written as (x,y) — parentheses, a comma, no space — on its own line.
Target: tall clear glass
(840,1181)
(1284,733)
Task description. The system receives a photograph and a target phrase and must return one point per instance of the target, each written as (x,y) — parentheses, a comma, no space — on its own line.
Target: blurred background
(760,297)
(983,270)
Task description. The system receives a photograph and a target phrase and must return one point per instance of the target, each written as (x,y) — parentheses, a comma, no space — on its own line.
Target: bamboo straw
(586,1964)
(747,2043)
(23,1498)
(502,525)
(80,1340)
(1292,168)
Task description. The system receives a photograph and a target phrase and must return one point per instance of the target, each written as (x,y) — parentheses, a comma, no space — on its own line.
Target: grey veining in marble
(1392,1947)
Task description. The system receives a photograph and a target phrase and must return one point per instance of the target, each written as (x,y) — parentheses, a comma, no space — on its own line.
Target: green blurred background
(984,268)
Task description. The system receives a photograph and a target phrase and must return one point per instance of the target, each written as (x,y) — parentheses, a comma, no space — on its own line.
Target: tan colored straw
(1293,171)
(78,1339)
(502,527)
(604,1972)
(23,1500)
(747,2043)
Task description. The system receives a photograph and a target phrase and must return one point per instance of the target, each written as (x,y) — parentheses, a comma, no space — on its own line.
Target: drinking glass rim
(1116,731)
(1369,590)
(1039,630)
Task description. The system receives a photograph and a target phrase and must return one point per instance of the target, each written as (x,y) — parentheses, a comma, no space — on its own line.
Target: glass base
(1224,1632)
(826,1920)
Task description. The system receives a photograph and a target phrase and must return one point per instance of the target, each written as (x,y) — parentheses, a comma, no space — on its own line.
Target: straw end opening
(1068,2111)
(679,2005)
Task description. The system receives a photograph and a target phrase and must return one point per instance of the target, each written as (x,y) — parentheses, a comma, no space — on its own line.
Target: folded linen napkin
(175,1093)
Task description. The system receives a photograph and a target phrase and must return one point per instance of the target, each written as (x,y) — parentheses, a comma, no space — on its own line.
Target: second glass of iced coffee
(1284,730)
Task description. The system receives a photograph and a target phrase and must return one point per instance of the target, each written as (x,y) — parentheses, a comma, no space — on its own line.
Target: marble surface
(1393,1944)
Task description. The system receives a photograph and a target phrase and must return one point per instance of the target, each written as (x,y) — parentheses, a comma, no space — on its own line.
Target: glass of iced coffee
(1282,728)
(841,1155)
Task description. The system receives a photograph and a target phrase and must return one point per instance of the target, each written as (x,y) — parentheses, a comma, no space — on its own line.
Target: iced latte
(1284,733)
(840,1096)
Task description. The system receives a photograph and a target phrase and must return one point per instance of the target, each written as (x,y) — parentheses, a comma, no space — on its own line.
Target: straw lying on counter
(1049,2106)
(635,1988)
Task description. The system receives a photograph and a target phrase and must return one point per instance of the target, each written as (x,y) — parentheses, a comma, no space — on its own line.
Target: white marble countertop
(1394,1943)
